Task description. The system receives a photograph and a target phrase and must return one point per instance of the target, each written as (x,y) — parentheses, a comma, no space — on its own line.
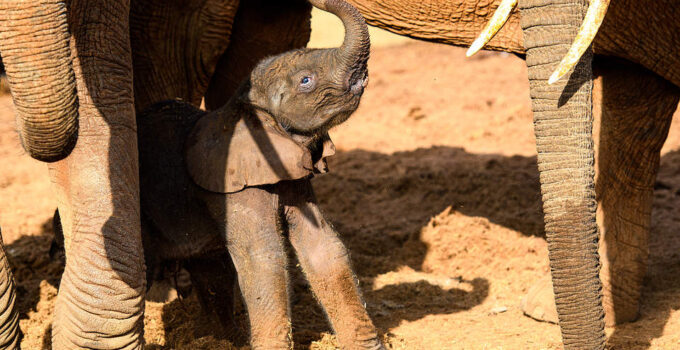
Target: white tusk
(586,35)
(495,24)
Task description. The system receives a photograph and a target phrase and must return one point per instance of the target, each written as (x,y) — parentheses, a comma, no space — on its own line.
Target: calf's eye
(307,83)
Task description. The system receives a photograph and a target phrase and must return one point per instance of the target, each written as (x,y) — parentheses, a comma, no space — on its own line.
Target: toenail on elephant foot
(539,302)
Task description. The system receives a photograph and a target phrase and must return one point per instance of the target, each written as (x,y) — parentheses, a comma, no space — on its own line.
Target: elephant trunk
(352,56)
(563,127)
(34,42)
(10,334)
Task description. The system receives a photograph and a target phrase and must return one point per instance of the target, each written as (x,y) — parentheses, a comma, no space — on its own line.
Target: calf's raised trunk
(352,56)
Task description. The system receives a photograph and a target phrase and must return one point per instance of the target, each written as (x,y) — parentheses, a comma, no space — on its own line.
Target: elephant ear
(231,149)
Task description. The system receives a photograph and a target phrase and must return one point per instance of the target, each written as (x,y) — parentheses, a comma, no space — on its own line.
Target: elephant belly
(178,224)
(181,236)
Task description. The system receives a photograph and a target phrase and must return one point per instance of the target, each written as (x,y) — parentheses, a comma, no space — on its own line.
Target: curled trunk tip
(355,49)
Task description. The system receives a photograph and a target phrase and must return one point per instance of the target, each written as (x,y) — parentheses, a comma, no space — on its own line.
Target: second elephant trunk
(563,127)
(34,42)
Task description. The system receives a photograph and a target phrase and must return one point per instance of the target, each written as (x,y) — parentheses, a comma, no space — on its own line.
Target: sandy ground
(435,192)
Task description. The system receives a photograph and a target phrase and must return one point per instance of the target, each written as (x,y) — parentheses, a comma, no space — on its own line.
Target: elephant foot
(620,295)
(539,303)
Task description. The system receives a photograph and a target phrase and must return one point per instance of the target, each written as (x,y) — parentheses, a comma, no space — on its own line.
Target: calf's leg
(325,262)
(255,244)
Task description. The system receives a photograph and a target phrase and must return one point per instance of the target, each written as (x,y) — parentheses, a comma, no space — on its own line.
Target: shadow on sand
(368,187)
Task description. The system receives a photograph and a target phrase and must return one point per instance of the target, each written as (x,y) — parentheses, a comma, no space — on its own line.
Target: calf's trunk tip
(353,54)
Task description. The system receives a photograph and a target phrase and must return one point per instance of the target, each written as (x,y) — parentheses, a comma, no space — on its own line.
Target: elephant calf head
(296,97)
(311,90)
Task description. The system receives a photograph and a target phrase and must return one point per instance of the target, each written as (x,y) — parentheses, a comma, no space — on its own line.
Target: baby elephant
(239,177)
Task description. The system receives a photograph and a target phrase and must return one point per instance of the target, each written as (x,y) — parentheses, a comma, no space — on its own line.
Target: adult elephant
(70,67)
(635,54)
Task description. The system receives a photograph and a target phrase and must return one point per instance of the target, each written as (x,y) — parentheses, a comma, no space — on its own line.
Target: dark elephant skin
(176,46)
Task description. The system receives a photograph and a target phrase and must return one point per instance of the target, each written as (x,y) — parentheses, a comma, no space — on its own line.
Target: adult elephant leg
(101,296)
(262,28)
(563,128)
(637,109)
(10,334)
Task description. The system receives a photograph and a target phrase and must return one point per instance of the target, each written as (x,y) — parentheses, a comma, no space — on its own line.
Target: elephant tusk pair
(586,34)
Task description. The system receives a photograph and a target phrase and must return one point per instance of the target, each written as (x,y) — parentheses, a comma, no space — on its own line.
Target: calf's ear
(226,153)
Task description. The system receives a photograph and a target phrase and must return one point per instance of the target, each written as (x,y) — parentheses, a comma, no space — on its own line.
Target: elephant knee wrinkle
(329,260)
